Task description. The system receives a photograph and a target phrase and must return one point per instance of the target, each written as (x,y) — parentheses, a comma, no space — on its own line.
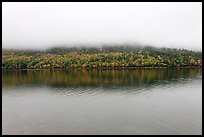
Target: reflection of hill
(64,78)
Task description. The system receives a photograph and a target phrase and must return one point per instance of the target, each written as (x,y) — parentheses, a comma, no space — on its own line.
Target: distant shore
(106,58)
(115,68)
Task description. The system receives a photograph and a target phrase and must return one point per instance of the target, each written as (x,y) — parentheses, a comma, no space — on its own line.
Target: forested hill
(101,57)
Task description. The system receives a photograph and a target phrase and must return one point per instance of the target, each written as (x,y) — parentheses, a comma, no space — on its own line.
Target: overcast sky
(43,25)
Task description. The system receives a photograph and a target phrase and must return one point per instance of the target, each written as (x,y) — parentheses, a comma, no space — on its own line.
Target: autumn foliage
(100,58)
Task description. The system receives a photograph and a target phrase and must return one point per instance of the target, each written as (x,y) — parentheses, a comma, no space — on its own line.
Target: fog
(43,25)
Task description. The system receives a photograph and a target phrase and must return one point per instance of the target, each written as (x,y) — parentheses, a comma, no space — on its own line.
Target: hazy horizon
(45,25)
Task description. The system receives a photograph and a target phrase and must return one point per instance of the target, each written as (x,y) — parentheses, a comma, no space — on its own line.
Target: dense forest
(105,57)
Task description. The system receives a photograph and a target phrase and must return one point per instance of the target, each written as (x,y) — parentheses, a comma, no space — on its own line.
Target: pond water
(145,101)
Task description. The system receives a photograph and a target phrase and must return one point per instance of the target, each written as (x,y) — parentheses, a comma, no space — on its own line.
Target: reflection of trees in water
(63,78)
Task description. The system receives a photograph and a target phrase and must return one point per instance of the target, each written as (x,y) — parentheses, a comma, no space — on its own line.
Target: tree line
(105,57)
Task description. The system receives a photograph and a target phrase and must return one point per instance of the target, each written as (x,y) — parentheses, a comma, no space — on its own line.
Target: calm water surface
(158,101)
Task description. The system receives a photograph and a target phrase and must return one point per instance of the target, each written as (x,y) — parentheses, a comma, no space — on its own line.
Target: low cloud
(44,25)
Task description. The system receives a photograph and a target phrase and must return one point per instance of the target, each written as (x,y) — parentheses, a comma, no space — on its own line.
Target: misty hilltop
(176,25)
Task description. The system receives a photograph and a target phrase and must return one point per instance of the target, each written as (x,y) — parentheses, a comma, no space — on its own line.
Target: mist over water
(45,25)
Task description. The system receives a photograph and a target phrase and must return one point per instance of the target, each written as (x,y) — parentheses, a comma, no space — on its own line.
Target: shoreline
(115,68)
